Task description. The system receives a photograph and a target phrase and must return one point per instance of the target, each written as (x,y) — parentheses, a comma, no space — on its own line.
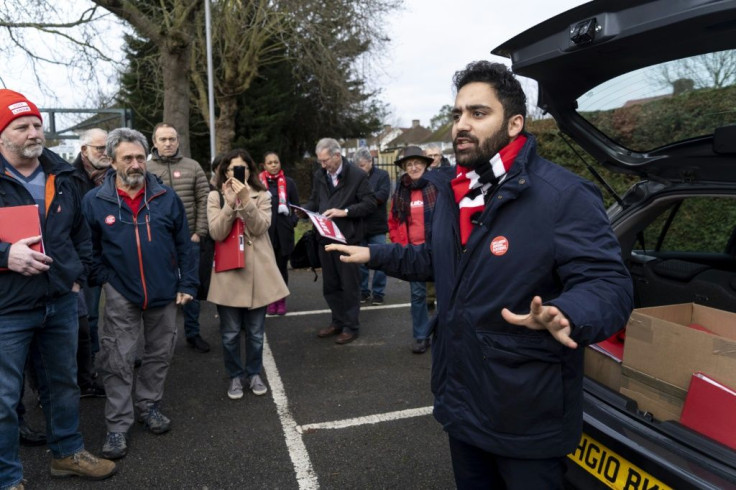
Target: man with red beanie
(38,294)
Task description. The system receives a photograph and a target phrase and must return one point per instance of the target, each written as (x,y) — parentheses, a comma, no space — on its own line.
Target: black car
(648,88)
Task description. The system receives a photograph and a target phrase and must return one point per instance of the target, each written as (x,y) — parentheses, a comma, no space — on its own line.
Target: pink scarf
(470,186)
(280,185)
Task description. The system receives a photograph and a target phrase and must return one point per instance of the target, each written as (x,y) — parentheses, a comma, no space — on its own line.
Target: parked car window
(661,104)
(695,224)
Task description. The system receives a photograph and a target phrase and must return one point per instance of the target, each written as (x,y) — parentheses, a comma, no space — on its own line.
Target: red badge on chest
(499,245)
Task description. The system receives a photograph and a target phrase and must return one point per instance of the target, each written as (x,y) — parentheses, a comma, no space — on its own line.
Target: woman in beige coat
(241,295)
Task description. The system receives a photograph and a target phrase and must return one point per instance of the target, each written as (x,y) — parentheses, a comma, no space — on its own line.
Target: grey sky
(431,39)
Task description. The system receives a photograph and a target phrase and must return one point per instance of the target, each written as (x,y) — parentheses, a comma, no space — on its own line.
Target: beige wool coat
(259,283)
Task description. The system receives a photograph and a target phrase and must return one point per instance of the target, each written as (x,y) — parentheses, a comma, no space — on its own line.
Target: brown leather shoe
(346,338)
(328,332)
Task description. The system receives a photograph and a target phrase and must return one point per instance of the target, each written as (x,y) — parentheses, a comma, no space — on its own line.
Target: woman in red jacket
(410,224)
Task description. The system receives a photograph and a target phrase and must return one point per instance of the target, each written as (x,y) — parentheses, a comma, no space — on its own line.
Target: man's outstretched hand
(542,317)
(350,253)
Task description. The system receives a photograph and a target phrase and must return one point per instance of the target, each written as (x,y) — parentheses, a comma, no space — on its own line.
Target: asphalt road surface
(335,417)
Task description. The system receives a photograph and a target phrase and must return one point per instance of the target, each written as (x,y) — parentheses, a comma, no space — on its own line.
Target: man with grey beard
(92,163)
(140,242)
(38,294)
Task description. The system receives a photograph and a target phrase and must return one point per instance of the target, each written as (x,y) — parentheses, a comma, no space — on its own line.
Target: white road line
(322,312)
(305,475)
(369,419)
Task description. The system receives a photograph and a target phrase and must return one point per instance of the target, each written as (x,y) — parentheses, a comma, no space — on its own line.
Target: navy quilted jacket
(505,388)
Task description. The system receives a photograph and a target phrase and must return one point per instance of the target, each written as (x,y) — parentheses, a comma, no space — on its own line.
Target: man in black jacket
(376,226)
(38,300)
(92,163)
(340,191)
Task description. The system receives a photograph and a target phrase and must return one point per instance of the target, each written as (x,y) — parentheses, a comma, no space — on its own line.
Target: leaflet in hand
(324,225)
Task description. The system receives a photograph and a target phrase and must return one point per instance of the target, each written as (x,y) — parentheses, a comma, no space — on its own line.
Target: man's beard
(99,163)
(133,179)
(483,152)
(26,151)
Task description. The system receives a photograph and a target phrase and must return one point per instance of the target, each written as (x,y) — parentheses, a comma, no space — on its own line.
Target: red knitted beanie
(14,105)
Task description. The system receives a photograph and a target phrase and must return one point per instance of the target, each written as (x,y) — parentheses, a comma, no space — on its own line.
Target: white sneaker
(257,386)
(236,389)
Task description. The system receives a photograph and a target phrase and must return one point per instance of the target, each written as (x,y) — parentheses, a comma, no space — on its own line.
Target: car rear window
(662,104)
(705,225)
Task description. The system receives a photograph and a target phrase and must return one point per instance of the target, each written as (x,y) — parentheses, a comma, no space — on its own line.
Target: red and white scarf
(471,186)
(280,186)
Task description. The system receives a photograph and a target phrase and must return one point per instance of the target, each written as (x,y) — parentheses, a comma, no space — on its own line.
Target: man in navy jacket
(376,226)
(520,234)
(141,246)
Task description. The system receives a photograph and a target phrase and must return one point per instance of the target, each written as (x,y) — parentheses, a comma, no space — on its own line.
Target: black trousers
(85,370)
(475,469)
(341,289)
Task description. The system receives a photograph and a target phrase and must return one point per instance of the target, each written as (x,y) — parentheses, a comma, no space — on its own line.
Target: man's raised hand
(542,317)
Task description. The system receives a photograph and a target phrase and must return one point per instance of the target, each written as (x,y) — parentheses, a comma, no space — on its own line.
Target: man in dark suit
(341,192)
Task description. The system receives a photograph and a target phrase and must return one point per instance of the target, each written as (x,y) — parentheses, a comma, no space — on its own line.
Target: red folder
(613,346)
(230,253)
(18,222)
(710,408)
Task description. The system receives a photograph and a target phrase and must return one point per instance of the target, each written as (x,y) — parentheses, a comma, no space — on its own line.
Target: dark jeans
(251,321)
(478,469)
(341,289)
(50,334)
(379,277)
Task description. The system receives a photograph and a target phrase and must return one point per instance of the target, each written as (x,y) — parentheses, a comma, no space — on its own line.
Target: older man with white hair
(92,163)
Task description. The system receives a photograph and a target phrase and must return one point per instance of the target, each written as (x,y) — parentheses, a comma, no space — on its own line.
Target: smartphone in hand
(239,173)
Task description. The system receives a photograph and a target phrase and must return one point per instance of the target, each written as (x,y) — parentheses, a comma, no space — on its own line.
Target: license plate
(611,469)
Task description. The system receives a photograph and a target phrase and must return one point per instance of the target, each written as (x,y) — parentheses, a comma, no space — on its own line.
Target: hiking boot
(257,386)
(115,446)
(155,421)
(236,389)
(198,344)
(83,464)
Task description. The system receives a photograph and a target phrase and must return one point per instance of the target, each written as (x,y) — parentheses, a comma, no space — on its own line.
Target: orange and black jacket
(66,238)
